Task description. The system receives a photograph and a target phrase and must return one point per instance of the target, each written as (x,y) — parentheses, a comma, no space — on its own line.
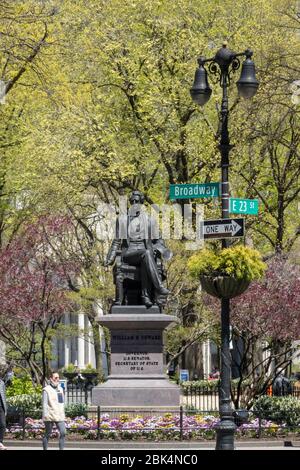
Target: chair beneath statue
(128,284)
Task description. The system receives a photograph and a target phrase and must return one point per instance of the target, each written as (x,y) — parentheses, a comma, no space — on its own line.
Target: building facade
(78,349)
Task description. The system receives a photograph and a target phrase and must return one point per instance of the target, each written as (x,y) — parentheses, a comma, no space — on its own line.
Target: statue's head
(136,197)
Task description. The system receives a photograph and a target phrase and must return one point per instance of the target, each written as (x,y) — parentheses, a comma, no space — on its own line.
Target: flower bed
(148,427)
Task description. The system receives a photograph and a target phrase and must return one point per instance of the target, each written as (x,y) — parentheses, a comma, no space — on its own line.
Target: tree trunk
(36,372)
(280,221)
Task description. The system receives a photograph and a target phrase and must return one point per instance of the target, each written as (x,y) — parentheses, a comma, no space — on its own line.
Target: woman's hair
(52,373)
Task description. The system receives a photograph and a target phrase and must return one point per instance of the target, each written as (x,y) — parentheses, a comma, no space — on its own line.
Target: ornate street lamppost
(223,65)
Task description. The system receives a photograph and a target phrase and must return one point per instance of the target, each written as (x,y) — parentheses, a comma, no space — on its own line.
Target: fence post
(181,422)
(98,423)
(23,424)
(259,427)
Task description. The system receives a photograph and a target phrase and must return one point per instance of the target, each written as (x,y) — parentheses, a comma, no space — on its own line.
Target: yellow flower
(199,419)
(124,418)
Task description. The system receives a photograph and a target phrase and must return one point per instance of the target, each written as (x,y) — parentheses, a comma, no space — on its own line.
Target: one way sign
(222,228)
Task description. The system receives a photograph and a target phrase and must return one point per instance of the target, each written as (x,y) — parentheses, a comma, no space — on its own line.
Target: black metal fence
(78,393)
(207,398)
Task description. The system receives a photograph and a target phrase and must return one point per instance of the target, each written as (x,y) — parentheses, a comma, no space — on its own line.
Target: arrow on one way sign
(222,228)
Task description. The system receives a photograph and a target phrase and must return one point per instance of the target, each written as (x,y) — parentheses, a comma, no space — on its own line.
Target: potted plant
(228,272)
(70,371)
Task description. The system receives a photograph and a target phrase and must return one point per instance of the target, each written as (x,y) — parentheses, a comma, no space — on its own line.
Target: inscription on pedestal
(137,377)
(136,352)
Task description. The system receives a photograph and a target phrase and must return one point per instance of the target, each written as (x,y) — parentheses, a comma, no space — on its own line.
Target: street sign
(184,375)
(222,228)
(63,384)
(194,190)
(243,206)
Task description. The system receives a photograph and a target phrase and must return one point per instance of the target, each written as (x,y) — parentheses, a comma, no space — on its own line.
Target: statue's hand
(108,262)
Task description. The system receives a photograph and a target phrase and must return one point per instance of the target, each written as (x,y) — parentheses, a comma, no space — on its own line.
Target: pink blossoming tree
(34,292)
(267,319)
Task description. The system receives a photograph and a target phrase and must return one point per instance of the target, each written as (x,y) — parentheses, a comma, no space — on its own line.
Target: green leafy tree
(103,107)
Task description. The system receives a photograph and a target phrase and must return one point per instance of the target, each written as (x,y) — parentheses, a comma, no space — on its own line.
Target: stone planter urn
(225,287)
(90,377)
(70,375)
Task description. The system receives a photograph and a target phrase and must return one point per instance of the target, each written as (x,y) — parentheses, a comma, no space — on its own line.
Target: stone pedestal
(137,375)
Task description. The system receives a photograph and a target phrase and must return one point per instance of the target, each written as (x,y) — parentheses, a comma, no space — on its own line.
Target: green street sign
(194,190)
(243,206)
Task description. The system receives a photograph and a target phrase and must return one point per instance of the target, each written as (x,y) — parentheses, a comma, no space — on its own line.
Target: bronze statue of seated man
(139,249)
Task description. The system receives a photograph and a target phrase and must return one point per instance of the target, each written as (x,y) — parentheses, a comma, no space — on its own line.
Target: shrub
(240,262)
(195,384)
(208,384)
(76,409)
(22,386)
(279,409)
(30,404)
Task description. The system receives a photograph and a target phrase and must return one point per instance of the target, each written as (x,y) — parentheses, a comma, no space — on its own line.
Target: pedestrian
(3,412)
(215,374)
(281,386)
(54,410)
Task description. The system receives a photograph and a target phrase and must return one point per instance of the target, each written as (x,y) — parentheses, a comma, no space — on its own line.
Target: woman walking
(54,410)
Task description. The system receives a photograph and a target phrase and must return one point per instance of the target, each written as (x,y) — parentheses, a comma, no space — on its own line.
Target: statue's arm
(112,252)
(160,247)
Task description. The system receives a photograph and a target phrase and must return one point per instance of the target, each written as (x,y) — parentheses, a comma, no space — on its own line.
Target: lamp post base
(225,435)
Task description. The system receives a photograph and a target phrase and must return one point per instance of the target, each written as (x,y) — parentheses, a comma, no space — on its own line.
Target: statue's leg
(152,271)
(119,289)
(151,268)
(136,257)
(146,287)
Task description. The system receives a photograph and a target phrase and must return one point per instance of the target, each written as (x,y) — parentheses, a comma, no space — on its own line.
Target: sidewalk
(168,445)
